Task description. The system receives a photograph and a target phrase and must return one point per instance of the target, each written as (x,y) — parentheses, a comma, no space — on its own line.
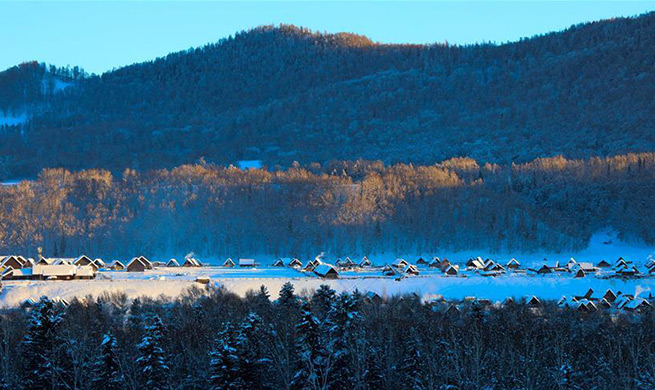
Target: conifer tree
(152,359)
(39,347)
(106,370)
(224,370)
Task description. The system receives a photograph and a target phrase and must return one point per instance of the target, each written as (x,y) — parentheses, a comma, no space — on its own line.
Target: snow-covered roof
(172,263)
(324,269)
(246,261)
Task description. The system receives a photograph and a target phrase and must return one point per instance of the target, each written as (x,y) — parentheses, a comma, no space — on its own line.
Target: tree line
(346,208)
(213,339)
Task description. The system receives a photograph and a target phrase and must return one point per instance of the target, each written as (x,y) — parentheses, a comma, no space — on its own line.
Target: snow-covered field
(171,282)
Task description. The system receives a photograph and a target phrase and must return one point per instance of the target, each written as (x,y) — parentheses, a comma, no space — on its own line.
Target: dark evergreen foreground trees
(212,339)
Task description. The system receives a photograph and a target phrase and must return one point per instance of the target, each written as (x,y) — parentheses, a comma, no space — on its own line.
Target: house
(435,263)
(63,271)
(586,267)
(228,263)
(388,270)
(637,304)
(17,273)
(627,271)
(172,263)
(445,263)
(610,296)
(295,263)
(311,265)
(191,261)
(569,264)
(508,301)
(579,273)
(13,261)
(421,261)
(365,262)
(476,263)
(545,269)
(400,263)
(116,266)
(138,264)
(326,271)
(247,262)
(493,266)
(452,270)
(411,270)
(534,302)
(83,260)
(282,262)
(513,264)
(347,262)
(603,264)
(99,263)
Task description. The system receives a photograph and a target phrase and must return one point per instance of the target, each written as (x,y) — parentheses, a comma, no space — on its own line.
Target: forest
(284,93)
(212,339)
(345,208)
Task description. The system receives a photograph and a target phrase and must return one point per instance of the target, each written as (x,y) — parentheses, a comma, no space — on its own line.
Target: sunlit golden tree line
(344,207)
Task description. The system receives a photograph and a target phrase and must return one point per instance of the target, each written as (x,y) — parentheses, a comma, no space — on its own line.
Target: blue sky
(99,36)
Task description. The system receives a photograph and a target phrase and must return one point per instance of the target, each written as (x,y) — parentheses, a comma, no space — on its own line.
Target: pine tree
(413,363)
(322,300)
(248,350)
(39,347)
(152,360)
(340,329)
(311,355)
(287,297)
(224,370)
(106,370)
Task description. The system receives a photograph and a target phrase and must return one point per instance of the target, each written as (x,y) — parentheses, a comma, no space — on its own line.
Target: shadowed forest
(344,208)
(320,340)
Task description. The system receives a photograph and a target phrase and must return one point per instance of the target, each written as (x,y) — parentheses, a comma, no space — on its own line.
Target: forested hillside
(343,208)
(286,94)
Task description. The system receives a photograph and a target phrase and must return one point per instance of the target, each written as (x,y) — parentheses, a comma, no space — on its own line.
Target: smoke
(639,290)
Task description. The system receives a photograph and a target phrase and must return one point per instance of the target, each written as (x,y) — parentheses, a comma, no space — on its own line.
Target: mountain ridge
(281,94)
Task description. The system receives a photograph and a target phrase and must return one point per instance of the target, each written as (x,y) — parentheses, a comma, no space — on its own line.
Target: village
(17,269)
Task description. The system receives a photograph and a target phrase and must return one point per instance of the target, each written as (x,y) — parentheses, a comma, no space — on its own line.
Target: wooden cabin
(191,262)
(247,262)
(513,264)
(228,263)
(452,270)
(421,261)
(83,260)
(117,266)
(326,271)
(603,264)
(365,262)
(137,264)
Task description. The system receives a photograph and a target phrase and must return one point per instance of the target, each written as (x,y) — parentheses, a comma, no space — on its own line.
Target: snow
(249,164)
(172,281)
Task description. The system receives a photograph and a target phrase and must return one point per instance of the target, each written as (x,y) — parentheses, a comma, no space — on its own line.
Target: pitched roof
(324,269)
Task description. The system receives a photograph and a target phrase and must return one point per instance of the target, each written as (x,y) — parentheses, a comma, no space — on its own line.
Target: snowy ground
(171,282)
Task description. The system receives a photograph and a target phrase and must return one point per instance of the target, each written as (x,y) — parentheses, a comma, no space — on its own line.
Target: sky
(99,36)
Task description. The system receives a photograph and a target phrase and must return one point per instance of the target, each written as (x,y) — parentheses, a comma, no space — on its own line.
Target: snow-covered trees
(218,341)
(224,369)
(152,362)
(106,368)
(40,347)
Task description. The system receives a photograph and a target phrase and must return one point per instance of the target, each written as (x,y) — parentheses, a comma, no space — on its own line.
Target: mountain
(284,94)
